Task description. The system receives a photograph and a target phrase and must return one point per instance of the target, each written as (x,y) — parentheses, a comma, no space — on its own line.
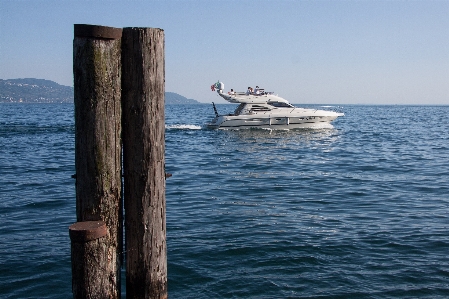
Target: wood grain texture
(97,98)
(143,87)
(89,254)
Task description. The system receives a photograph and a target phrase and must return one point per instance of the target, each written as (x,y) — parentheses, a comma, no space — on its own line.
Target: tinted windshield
(280,104)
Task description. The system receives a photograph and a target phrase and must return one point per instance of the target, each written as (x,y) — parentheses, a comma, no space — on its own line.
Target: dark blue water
(359,210)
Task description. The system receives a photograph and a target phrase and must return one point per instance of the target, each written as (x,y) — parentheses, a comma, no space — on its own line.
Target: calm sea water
(357,210)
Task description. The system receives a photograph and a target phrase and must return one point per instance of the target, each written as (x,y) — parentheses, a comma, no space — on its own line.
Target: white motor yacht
(261,109)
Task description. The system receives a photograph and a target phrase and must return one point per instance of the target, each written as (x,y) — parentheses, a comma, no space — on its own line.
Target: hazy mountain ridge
(172,98)
(30,90)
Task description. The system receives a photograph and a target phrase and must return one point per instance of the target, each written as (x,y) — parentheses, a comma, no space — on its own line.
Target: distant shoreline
(34,91)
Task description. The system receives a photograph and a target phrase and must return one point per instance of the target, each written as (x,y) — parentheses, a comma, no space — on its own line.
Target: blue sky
(314,52)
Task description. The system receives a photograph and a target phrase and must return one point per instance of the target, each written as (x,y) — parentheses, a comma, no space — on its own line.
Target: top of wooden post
(95,31)
(86,231)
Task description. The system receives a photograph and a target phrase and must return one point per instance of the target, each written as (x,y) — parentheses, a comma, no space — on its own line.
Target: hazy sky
(335,52)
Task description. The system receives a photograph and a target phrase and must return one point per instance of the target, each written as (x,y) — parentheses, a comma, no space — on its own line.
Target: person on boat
(256,90)
(249,91)
(231,92)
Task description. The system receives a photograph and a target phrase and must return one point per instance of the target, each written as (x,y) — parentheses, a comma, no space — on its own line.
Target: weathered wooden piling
(143,87)
(89,255)
(97,97)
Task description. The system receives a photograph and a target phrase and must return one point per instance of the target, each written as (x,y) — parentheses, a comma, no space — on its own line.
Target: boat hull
(280,123)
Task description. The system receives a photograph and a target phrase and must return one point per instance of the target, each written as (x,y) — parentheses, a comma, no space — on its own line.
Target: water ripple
(358,210)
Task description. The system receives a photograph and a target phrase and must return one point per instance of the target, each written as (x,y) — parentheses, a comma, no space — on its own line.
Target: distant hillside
(34,91)
(172,98)
(45,91)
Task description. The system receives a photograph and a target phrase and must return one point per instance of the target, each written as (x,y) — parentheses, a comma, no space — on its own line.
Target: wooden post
(143,87)
(97,94)
(90,278)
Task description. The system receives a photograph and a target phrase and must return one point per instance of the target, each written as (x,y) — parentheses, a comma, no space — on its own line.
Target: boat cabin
(246,108)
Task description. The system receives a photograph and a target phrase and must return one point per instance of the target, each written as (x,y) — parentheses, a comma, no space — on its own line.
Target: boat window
(260,108)
(281,104)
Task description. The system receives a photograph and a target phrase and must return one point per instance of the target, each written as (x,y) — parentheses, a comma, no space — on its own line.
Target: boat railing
(261,93)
